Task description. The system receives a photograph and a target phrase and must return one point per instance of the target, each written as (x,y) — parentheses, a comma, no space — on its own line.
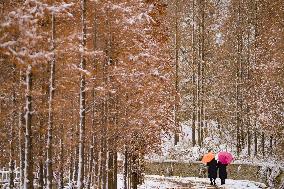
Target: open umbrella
(208,157)
(225,157)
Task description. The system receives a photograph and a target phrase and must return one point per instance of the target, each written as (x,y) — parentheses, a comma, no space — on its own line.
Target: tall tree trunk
(97,163)
(21,145)
(239,80)
(249,141)
(91,160)
(104,155)
(41,127)
(101,158)
(110,169)
(29,177)
(61,163)
(176,136)
(198,104)
(76,159)
(248,121)
(263,144)
(40,175)
(80,183)
(193,75)
(115,170)
(199,72)
(134,172)
(255,63)
(255,141)
(271,144)
(129,176)
(93,171)
(12,127)
(125,170)
(202,75)
(71,167)
(71,156)
(248,132)
(49,147)
(116,123)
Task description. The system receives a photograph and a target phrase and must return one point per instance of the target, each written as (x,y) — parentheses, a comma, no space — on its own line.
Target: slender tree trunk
(41,140)
(61,163)
(76,161)
(11,154)
(29,177)
(104,162)
(110,169)
(101,164)
(81,176)
(40,176)
(125,171)
(271,144)
(176,136)
(239,80)
(21,145)
(249,141)
(129,175)
(44,168)
(97,163)
(263,144)
(202,75)
(116,123)
(248,121)
(255,63)
(96,145)
(198,104)
(49,147)
(115,170)
(193,75)
(12,127)
(41,137)
(134,172)
(255,142)
(93,172)
(71,168)
(91,160)
(72,154)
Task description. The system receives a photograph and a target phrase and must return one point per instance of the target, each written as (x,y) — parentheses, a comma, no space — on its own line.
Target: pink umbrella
(225,157)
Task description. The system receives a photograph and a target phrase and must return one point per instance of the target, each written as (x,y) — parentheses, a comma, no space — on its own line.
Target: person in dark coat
(212,171)
(222,172)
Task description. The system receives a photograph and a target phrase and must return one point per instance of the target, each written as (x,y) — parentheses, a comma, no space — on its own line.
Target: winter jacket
(212,169)
(222,170)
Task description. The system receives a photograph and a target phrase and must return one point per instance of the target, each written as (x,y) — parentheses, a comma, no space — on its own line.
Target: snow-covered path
(161,182)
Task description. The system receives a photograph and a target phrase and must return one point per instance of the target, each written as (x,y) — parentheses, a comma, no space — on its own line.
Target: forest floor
(161,182)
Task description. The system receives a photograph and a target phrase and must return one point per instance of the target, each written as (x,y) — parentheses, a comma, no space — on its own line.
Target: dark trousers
(212,181)
(222,181)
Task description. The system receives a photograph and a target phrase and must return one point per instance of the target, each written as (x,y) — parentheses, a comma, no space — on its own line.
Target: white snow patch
(161,182)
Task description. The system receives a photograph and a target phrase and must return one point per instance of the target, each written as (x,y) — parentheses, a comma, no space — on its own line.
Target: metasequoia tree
(133,70)
(130,78)
(26,48)
(252,57)
(225,58)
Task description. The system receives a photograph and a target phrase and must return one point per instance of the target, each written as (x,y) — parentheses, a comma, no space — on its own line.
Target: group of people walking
(213,168)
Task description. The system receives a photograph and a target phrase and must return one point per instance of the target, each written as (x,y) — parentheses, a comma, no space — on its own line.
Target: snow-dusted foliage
(81,81)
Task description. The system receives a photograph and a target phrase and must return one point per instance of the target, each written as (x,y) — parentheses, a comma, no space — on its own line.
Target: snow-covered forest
(93,90)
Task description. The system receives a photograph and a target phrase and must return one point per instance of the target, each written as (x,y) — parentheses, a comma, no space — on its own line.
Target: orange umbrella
(208,157)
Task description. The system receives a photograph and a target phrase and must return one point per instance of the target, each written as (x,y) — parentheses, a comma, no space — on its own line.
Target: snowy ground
(161,182)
